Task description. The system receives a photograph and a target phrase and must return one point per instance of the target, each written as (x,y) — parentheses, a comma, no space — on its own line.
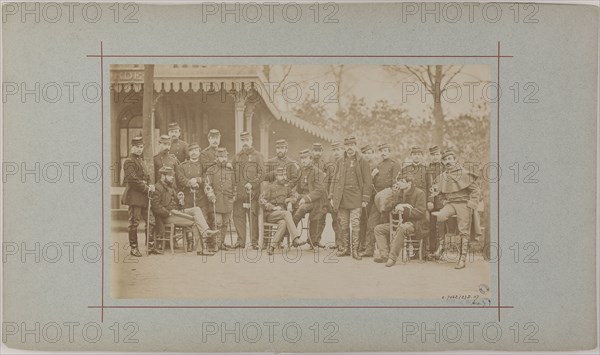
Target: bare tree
(435,79)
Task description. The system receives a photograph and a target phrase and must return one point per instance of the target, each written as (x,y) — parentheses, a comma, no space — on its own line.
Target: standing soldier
(221,178)
(248,164)
(418,169)
(349,193)
(136,178)
(178,147)
(209,154)
(365,233)
(331,173)
(434,202)
(164,157)
(276,200)
(317,156)
(281,160)
(384,176)
(460,192)
(189,180)
(312,198)
(168,209)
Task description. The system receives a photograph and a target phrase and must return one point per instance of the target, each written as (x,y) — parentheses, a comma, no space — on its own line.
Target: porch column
(148,118)
(240,107)
(265,129)
(115,154)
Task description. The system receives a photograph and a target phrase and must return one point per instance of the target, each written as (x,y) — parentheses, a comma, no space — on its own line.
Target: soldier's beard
(280,155)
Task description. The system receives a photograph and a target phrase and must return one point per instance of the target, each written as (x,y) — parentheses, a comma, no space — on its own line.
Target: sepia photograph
(278,181)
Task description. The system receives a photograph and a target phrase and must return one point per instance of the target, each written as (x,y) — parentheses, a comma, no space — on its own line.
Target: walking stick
(194,194)
(250,213)
(148,224)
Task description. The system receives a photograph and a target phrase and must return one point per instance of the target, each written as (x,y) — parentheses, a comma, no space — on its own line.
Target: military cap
(245,134)
(448,153)
(221,152)
(336,145)
(214,133)
(366,148)
(281,143)
(164,139)
(166,170)
(383,146)
(193,146)
(173,126)
(317,146)
(350,140)
(137,140)
(434,149)
(304,153)
(415,150)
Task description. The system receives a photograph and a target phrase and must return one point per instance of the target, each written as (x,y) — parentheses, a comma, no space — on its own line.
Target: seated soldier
(167,208)
(277,201)
(409,202)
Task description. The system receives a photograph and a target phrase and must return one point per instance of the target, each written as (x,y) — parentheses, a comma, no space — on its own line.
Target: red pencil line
(292,307)
(102,188)
(498,187)
(287,56)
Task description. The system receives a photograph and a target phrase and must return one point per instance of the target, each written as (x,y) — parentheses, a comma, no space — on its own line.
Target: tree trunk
(438,112)
(148,118)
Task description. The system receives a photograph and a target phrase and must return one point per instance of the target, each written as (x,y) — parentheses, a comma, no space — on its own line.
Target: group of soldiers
(202,188)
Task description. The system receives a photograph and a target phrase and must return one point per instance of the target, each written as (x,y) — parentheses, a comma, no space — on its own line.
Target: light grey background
(559,54)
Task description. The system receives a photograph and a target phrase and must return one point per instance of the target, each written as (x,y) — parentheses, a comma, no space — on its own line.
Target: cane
(194,194)
(148,223)
(250,212)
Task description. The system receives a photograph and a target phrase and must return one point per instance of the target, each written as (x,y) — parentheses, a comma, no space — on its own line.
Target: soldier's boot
(343,248)
(152,249)
(133,243)
(464,247)
(355,246)
(190,242)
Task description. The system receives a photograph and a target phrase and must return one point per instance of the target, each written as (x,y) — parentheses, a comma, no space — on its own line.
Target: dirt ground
(289,273)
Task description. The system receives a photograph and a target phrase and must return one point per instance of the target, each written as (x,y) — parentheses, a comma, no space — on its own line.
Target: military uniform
(221,178)
(164,158)
(275,200)
(136,178)
(459,191)
(166,210)
(186,171)
(411,223)
(310,187)
(434,170)
(366,239)
(387,171)
(351,188)
(248,164)
(291,169)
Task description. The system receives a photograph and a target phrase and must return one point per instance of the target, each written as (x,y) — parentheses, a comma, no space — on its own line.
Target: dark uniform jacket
(179,148)
(208,156)
(249,167)
(420,176)
(311,187)
(290,166)
(363,174)
(222,179)
(386,177)
(164,158)
(434,170)
(136,177)
(185,172)
(164,199)
(276,195)
(417,215)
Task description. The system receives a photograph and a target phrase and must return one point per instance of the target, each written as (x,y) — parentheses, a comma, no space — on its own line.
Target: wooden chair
(412,244)
(172,234)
